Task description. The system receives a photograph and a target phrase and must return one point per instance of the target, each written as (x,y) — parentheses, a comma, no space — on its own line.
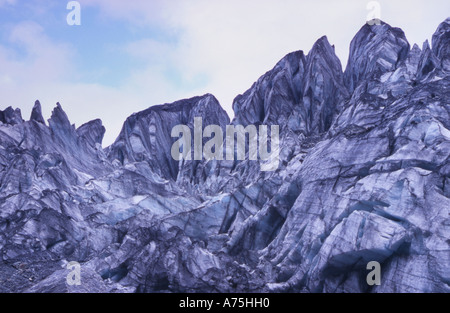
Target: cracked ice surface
(364,176)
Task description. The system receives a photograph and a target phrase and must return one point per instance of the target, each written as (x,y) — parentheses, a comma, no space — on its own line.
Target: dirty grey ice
(364,176)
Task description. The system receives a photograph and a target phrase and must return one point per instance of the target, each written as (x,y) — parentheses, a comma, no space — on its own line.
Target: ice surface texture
(364,176)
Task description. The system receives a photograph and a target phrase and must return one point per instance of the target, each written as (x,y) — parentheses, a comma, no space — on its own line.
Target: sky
(126,56)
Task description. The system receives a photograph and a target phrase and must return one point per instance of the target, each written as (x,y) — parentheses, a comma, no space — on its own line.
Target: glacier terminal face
(364,176)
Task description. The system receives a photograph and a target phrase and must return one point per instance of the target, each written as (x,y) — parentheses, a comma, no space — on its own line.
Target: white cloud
(33,66)
(234,42)
(230,42)
(43,59)
(29,60)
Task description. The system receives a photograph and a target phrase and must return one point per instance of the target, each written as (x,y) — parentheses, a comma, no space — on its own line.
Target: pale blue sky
(128,55)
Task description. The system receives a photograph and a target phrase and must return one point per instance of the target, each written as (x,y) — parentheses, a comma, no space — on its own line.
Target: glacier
(364,176)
